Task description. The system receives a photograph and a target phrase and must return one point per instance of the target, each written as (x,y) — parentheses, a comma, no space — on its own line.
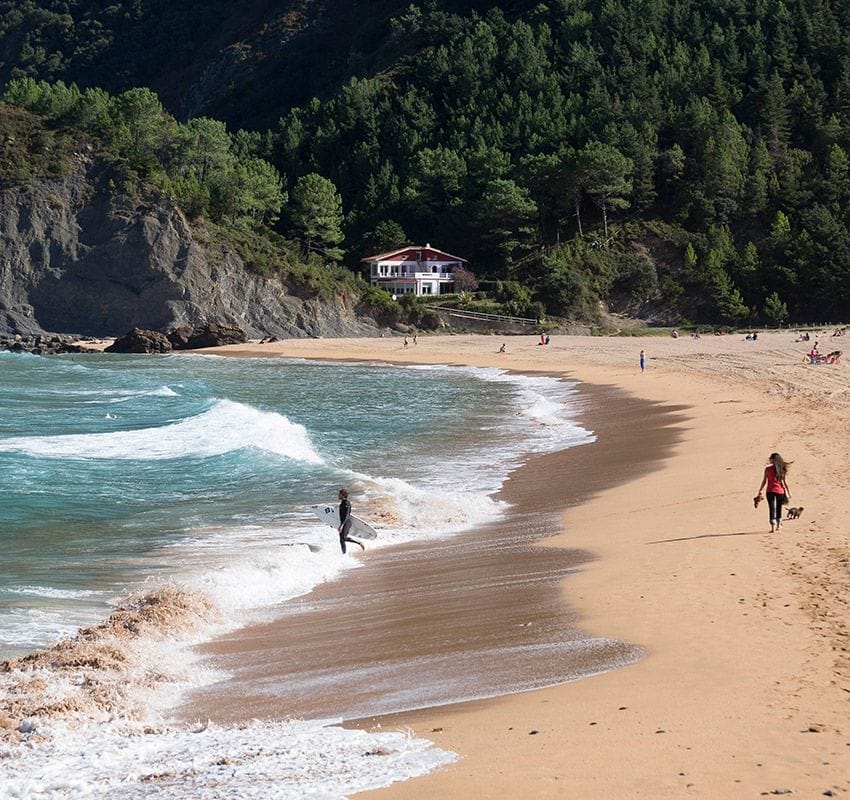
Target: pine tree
(775,310)
(607,177)
(316,215)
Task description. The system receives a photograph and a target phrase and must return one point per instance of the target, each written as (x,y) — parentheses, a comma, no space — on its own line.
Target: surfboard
(329,514)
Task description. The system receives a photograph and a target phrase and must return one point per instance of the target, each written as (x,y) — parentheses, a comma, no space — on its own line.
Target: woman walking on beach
(777,488)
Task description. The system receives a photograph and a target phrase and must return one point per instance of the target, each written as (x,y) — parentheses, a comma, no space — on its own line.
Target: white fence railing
(459,312)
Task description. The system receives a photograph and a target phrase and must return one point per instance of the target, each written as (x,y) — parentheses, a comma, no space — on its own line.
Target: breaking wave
(224,428)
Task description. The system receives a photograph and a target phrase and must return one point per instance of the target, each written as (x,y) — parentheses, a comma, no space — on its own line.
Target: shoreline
(478,615)
(746,682)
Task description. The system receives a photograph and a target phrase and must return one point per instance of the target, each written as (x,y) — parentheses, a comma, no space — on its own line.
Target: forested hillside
(675,157)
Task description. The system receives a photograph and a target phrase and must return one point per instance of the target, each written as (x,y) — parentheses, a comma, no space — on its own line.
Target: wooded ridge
(671,158)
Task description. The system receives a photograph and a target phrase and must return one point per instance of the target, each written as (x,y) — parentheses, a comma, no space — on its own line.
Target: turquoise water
(184,482)
(119,470)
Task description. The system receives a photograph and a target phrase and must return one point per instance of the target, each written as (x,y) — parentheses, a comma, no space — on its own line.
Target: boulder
(210,335)
(179,337)
(139,340)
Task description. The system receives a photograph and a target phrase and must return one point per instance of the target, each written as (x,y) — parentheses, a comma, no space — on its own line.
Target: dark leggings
(774,506)
(343,535)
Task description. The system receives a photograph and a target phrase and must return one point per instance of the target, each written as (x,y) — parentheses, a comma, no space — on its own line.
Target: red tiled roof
(388,256)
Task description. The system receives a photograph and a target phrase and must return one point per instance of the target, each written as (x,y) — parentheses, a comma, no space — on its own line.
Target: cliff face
(77,256)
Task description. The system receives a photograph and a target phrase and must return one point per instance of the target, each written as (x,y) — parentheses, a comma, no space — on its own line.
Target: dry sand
(745,687)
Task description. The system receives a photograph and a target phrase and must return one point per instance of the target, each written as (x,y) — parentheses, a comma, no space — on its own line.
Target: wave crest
(225,427)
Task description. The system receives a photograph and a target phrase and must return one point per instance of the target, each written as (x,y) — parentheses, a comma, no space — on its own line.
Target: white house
(414,270)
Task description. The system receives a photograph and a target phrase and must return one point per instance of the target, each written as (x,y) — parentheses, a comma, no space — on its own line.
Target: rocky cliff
(79,256)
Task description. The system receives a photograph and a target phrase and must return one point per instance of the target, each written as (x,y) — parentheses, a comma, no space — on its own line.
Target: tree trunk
(578,216)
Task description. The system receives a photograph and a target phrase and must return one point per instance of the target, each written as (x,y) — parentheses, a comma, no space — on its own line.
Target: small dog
(794,513)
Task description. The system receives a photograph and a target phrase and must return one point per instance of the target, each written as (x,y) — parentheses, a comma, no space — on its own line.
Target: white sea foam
(249,570)
(27,628)
(112,393)
(285,760)
(43,615)
(412,511)
(50,591)
(112,396)
(90,715)
(245,571)
(225,427)
(549,404)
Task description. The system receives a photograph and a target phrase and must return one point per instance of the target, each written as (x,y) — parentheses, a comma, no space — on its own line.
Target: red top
(774,485)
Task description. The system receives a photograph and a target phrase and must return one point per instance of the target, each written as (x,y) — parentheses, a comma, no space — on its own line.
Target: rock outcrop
(139,340)
(79,256)
(43,345)
(206,336)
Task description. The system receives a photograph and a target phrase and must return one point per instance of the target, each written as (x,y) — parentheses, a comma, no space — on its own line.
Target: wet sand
(423,624)
(745,687)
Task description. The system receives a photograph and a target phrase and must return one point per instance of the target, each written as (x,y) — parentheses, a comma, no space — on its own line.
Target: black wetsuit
(345,524)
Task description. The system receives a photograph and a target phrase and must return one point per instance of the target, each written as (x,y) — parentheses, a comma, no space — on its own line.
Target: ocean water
(151,503)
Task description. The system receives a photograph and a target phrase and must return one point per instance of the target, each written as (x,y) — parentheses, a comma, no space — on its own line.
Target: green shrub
(376,297)
(637,279)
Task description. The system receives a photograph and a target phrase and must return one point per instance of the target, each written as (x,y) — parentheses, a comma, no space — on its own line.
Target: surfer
(345,521)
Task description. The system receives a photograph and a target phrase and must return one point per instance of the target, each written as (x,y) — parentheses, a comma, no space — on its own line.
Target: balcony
(417,271)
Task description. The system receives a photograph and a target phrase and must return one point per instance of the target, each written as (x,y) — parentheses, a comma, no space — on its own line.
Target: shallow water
(122,469)
(125,474)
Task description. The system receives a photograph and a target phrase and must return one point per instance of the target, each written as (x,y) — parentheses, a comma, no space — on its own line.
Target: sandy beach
(744,688)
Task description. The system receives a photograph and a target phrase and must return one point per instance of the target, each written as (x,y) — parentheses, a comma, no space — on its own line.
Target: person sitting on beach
(833,357)
(675,334)
(345,521)
(830,358)
(502,348)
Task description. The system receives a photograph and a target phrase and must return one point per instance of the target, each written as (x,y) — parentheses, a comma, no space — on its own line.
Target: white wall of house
(414,270)
(421,279)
